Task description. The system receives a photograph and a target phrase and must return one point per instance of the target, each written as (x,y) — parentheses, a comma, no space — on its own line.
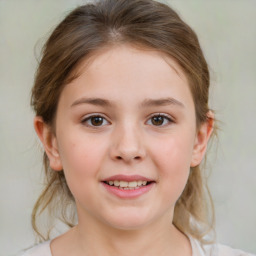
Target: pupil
(157,120)
(97,121)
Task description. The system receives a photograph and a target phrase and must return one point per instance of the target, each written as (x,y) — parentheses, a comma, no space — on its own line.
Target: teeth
(127,185)
(123,184)
(116,183)
(133,184)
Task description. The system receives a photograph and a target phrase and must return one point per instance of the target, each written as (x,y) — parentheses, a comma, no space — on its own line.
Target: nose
(127,144)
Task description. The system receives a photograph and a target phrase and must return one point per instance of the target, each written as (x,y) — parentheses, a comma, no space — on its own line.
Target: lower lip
(128,193)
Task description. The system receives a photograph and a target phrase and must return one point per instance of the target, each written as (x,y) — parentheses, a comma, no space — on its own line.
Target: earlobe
(49,142)
(202,138)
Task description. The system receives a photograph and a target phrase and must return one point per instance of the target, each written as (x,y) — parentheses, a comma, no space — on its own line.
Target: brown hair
(86,30)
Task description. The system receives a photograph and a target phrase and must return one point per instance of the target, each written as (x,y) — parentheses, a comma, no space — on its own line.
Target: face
(126,137)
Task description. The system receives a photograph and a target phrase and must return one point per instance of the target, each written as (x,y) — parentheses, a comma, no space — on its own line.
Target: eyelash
(89,119)
(165,116)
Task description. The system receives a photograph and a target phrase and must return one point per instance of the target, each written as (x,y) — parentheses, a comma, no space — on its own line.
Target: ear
(202,137)
(49,141)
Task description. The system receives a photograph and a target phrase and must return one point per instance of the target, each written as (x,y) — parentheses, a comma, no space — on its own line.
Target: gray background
(227,32)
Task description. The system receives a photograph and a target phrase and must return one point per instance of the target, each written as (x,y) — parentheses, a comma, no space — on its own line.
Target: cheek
(81,159)
(173,154)
(172,159)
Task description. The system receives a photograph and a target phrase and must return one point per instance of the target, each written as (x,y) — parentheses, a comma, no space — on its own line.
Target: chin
(129,220)
(128,226)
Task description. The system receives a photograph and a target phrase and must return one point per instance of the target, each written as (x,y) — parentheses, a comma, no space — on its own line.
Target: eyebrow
(92,101)
(161,102)
(145,103)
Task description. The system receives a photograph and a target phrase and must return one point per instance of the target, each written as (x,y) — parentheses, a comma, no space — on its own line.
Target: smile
(127,185)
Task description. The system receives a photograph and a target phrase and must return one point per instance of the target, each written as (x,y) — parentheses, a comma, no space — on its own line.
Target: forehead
(127,54)
(125,70)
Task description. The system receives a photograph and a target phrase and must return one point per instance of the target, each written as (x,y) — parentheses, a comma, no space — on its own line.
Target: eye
(95,120)
(159,120)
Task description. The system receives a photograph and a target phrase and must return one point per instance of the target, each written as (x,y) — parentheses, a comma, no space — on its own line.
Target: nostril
(136,157)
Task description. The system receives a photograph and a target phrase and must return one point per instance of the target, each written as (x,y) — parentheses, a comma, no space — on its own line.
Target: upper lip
(127,178)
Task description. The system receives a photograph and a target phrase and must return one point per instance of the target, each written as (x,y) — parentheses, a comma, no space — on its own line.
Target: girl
(121,103)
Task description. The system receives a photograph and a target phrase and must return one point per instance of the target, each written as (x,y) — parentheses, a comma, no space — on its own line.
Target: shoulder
(215,250)
(223,250)
(42,249)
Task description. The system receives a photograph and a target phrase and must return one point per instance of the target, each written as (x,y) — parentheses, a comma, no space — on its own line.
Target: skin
(126,142)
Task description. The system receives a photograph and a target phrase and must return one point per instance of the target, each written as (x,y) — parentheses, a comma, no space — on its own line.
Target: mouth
(128,185)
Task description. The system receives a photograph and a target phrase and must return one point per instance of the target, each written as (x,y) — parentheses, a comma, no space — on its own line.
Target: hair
(86,30)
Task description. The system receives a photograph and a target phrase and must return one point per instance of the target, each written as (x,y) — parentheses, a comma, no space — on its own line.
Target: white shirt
(207,250)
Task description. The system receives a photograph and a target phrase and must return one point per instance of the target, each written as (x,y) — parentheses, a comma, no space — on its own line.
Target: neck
(155,239)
